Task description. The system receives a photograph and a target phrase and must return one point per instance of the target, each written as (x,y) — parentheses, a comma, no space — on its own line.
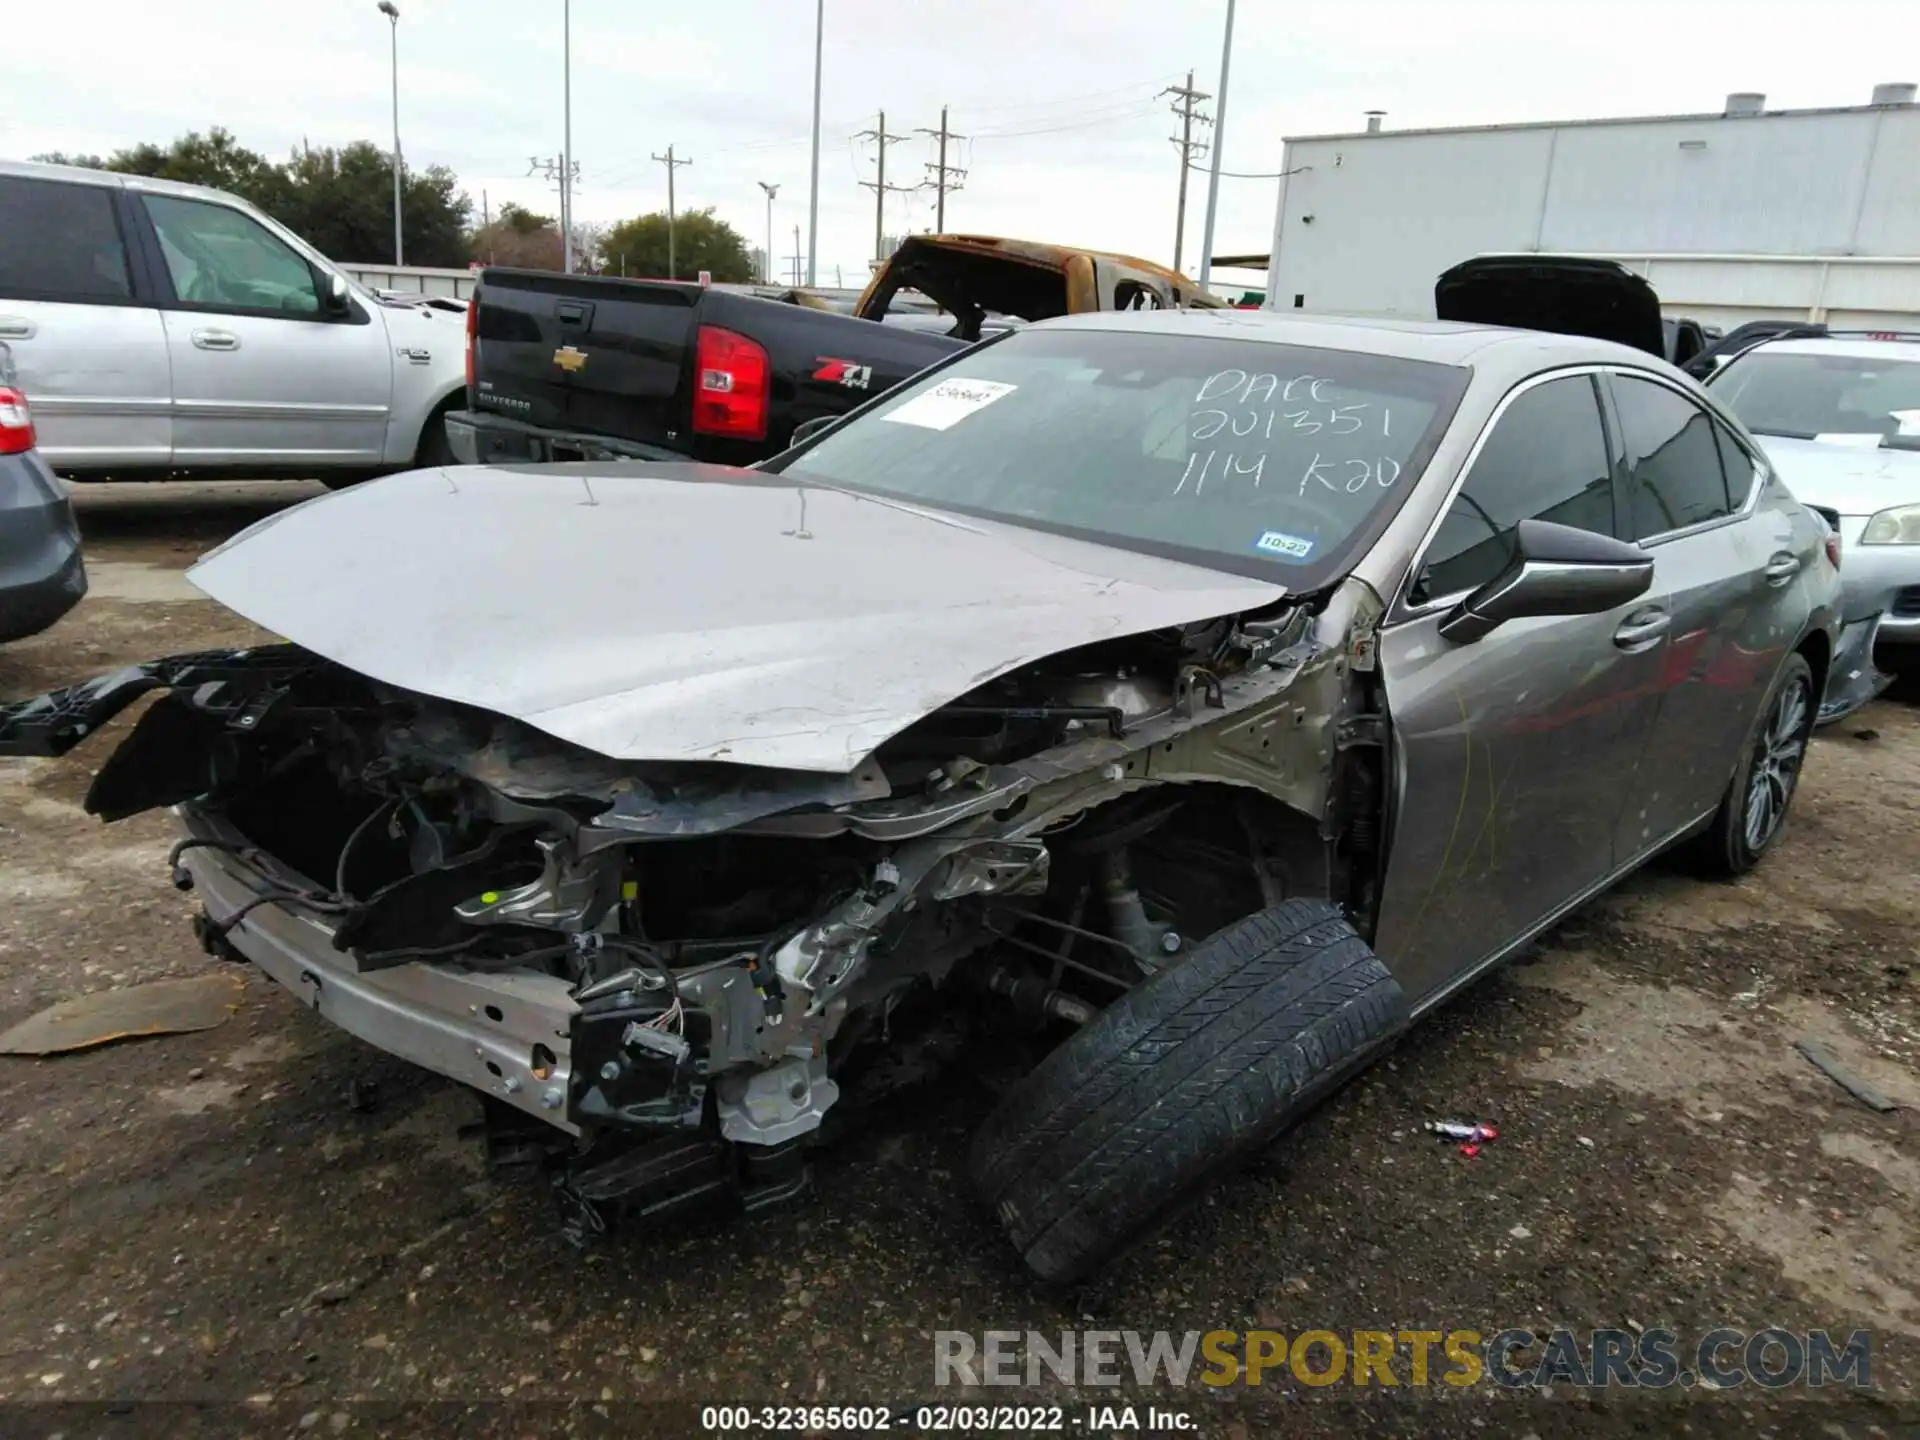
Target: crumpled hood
(1848,479)
(687,612)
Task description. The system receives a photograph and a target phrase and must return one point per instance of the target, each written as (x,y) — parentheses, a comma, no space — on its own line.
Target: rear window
(1271,460)
(60,241)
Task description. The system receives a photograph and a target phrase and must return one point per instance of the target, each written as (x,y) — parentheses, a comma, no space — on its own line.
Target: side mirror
(807,429)
(1555,570)
(334,296)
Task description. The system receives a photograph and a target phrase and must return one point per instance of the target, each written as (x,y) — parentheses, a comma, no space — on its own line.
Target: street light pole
(813,192)
(766,260)
(1219,144)
(566,135)
(392,12)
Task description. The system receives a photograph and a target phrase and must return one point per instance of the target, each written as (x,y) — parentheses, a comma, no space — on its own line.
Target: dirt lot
(203,1218)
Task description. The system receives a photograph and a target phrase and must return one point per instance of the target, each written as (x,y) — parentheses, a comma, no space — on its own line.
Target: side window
(218,256)
(1738,464)
(1545,460)
(1673,461)
(1132,295)
(60,241)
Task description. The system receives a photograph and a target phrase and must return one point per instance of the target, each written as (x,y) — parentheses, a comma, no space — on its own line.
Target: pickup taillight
(732,389)
(16,422)
(473,333)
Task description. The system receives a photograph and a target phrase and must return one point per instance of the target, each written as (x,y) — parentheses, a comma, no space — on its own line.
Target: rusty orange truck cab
(972,276)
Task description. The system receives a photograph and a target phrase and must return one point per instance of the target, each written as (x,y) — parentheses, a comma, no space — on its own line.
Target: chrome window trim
(1403,609)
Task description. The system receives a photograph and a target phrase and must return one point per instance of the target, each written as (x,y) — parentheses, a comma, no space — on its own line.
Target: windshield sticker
(948,403)
(1851,440)
(1283,546)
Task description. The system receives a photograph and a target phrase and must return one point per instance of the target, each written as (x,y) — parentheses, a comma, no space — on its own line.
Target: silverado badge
(570,359)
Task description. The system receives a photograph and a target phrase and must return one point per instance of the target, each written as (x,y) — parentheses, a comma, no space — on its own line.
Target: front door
(1515,754)
(1728,568)
(259,375)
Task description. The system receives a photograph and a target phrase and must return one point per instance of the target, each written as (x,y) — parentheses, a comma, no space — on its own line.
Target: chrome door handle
(216,340)
(12,327)
(1782,568)
(1642,628)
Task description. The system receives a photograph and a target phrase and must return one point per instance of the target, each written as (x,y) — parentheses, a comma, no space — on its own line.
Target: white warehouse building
(1747,214)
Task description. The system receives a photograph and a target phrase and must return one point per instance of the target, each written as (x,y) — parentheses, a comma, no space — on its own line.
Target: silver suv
(171,330)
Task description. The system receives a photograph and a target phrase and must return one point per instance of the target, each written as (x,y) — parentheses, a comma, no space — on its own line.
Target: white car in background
(1839,418)
(172,331)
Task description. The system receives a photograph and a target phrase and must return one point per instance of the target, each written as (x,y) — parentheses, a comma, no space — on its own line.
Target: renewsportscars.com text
(1725,1359)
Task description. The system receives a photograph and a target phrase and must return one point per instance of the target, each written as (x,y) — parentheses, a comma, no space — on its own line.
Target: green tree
(518,237)
(339,200)
(700,242)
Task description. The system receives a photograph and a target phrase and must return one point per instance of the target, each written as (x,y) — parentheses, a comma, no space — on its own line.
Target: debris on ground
(161,1007)
(1821,1054)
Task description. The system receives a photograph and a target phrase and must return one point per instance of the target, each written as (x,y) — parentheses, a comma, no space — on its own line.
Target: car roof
(1860,348)
(1442,342)
(79,175)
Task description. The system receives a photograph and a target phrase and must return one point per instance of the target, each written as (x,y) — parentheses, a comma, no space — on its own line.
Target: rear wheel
(435,448)
(1755,805)
(1183,1076)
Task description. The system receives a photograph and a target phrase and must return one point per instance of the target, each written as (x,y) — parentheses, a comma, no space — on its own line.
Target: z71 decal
(844,372)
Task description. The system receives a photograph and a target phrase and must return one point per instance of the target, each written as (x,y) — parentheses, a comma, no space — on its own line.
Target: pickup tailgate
(595,355)
(583,352)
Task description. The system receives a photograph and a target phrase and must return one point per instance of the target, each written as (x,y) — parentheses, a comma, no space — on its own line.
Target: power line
(941,170)
(1067,99)
(1136,110)
(879,184)
(672,165)
(1186,107)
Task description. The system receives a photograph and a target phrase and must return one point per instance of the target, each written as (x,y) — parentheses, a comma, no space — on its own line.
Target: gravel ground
(203,1220)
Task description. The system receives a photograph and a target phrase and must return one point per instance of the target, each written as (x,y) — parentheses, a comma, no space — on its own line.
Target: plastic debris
(1475,1132)
(1822,1055)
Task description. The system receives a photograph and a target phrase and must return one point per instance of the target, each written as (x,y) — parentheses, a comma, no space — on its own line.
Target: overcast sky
(1068,140)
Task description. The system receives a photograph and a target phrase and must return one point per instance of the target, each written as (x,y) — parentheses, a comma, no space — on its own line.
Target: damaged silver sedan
(1209,693)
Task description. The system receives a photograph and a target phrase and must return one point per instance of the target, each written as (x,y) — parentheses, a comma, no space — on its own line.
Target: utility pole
(558,173)
(1219,141)
(813,191)
(392,12)
(941,170)
(879,185)
(568,174)
(766,260)
(795,257)
(672,165)
(1190,150)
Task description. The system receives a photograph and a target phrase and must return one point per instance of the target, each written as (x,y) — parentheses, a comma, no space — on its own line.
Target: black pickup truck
(582,367)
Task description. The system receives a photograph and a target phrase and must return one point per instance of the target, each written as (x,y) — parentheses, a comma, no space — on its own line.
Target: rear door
(1515,755)
(260,377)
(88,343)
(1727,567)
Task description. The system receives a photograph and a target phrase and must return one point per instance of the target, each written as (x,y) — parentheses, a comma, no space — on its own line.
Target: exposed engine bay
(659,973)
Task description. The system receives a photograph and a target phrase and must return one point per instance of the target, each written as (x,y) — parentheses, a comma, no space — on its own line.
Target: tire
(435,448)
(1180,1078)
(1735,841)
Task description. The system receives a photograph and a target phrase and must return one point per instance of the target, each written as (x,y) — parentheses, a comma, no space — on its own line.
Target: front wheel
(1755,805)
(1186,1074)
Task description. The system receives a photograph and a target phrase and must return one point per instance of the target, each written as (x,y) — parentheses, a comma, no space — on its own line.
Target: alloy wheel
(1776,764)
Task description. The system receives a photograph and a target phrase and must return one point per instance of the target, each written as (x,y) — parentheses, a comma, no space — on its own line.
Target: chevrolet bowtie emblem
(569,359)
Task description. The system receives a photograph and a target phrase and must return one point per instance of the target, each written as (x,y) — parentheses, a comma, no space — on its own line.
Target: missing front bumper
(1852,679)
(506,1035)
